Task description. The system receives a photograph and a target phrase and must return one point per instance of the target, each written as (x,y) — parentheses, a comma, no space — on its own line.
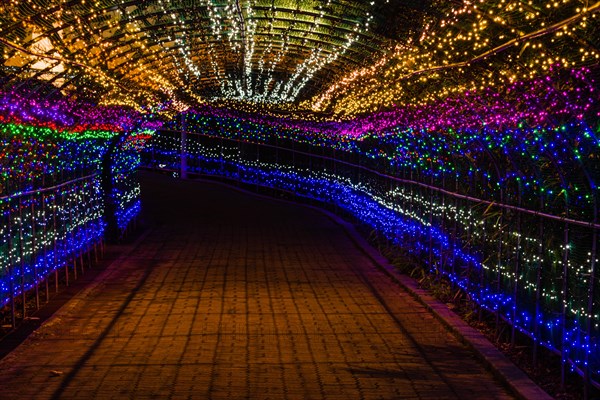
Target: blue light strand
(77,210)
(49,212)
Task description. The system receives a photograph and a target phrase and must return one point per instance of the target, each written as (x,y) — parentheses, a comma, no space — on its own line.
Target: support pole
(22,259)
(564,300)
(587,378)
(183,156)
(33,258)
(13,320)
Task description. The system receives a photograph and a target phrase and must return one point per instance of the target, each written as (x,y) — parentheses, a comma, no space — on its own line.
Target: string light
(52,200)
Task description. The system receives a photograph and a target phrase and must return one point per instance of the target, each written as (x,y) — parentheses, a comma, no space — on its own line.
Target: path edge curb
(495,361)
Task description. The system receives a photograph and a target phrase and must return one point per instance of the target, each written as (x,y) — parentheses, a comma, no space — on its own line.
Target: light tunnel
(464,133)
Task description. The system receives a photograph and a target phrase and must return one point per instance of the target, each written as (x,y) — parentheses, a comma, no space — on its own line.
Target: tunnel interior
(465,133)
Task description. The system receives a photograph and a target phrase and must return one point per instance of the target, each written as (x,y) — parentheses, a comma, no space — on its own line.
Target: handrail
(46,189)
(570,221)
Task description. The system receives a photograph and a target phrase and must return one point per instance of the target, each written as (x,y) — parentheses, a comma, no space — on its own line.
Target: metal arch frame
(298,41)
(143,57)
(316,41)
(92,20)
(332,26)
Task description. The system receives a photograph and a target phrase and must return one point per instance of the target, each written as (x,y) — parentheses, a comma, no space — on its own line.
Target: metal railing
(43,231)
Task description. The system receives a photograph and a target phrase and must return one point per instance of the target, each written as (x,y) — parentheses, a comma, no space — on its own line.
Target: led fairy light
(305,71)
(259,90)
(249,26)
(467,47)
(216,26)
(283,93)
(53,246)
(314,67)
(66,114)
(268,76)
(71,39)
(322,101)
(182,46)
(234,32)
(241,41)
(447,43)
(51,198)
(77,204)
(92,27)
(434,137)
(126,187)
(148,67)
(529,139)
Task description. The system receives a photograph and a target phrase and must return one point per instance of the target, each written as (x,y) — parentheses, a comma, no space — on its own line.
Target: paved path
(229,296)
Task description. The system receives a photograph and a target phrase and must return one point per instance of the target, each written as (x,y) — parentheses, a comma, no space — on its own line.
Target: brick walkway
(229,296)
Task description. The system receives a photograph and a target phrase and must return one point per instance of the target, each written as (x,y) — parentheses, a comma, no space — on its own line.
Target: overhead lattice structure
(343,56)
(260,51)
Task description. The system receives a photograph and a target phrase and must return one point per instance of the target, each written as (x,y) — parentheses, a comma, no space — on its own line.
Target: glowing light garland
(95,42)
(476,45)
(43,231)
(527,141)
(66,114)
(126,188)
(52,203)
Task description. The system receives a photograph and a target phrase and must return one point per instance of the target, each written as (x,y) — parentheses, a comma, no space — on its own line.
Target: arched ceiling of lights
(335,58)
